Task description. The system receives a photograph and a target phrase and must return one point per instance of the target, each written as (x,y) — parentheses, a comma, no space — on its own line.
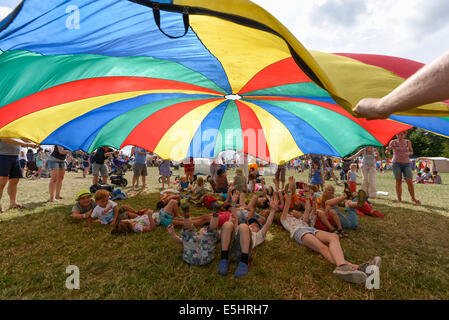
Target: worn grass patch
(38,243)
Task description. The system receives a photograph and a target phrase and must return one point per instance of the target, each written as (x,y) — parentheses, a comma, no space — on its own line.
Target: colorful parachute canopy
(181,78)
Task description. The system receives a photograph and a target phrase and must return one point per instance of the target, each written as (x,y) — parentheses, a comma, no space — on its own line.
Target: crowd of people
(242,210)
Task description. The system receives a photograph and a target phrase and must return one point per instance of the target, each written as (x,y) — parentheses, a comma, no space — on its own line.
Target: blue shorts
(23,163)
(10,167)
(55,165)
(165,217)
(402,169)
(300,232)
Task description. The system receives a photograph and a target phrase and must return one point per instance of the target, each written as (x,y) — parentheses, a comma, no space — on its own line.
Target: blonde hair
(239,171)
(101,194)
(200,182)
(353,165)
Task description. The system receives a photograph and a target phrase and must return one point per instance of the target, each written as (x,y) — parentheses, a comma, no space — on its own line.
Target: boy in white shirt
(106,210)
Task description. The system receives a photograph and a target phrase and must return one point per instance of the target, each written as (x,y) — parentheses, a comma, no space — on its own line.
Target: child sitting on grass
(239,181)
(197,189)
(436,178)
(84,205)
(199,246)
(183,184)
(107,211)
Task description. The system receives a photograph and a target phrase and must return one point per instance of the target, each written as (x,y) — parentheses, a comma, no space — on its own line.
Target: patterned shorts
(199,249)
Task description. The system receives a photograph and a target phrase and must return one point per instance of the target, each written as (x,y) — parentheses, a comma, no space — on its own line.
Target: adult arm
(430,84)
(357,154)
(62,151)
(22,143)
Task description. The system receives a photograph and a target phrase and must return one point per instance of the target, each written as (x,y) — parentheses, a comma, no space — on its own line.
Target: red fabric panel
(150,131)
(382,130)
(87,88)
(254,142)
(279,73)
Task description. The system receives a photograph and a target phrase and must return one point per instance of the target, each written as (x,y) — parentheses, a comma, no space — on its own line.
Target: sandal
(342,233)
(17,206)
(417,202)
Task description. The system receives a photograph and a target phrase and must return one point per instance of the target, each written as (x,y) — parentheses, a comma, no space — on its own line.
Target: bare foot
(53,200)
(59,197)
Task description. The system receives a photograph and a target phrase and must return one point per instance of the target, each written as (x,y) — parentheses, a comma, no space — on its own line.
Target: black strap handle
(185,17)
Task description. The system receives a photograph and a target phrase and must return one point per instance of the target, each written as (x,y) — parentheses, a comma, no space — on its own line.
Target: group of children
(240,219)
(426,177)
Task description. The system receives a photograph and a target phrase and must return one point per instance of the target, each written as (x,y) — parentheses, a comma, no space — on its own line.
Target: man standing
(10,169)
(98,165)
(139,166)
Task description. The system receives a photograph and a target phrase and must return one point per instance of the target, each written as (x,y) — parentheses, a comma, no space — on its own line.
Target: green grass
(38,243)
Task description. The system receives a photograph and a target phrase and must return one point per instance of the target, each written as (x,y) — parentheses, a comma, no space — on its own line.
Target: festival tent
(187,78)
(439,164)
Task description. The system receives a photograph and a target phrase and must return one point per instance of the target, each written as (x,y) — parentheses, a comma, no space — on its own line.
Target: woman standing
(164,171)
(402,149)
(56,165)
(370,157)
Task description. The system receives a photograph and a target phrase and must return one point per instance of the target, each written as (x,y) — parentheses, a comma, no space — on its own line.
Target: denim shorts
(55,165)
(300,232)
(402,169)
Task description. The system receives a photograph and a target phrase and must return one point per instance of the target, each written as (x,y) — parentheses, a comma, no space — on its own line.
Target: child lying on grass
(239,240)
(325,243)
(199,246)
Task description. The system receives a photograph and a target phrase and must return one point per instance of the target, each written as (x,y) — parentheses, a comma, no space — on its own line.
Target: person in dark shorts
(10,169)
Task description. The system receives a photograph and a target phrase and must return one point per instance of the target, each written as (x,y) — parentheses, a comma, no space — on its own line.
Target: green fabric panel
(308,89)
(24,73)
(115,131)
(230,131)
(342,133)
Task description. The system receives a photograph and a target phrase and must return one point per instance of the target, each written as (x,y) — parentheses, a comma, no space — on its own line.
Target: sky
(413,29)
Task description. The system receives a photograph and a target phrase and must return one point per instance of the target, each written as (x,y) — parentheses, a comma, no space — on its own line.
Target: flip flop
(17,206)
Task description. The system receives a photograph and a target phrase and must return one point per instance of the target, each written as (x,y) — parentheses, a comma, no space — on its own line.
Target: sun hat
(83,193)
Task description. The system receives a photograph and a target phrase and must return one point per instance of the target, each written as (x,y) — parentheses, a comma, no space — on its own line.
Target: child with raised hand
(325,243)
(199,246)
(239,240)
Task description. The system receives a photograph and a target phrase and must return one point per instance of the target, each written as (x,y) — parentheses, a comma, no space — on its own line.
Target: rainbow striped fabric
(188,78)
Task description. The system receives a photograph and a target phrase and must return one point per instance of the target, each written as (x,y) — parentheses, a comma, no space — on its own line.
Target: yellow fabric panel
(175,143)
(52,118)
(344,93)
(250,10)
(356,80)
(242,51)
(280,142)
